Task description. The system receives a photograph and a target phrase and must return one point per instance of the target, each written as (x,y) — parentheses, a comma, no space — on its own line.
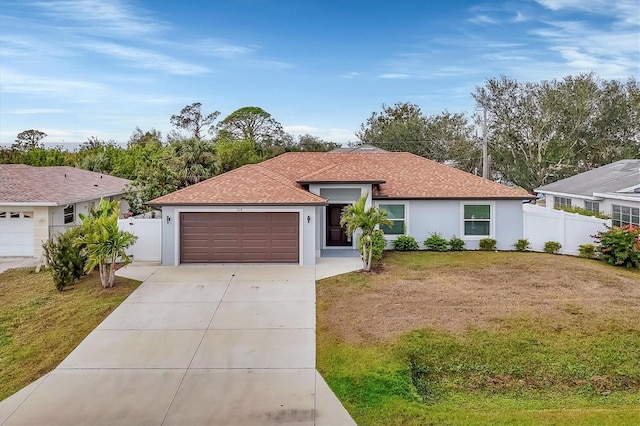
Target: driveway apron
(194,345)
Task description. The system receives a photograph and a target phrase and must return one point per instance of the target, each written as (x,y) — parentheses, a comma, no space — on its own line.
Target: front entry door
(336,235)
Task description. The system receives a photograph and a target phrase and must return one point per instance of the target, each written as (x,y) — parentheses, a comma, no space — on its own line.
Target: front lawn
(40,326)
(483,338)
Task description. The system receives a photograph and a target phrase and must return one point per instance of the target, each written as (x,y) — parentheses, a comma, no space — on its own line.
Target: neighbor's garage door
(239,237)
(16,234)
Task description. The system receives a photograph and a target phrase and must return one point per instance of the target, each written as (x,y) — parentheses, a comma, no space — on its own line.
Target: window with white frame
(561,202)
(69,214)
(396,214)
(477,220)
(592,206)
(625,215)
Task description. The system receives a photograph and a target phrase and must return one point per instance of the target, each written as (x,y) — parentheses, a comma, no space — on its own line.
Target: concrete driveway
(203,345)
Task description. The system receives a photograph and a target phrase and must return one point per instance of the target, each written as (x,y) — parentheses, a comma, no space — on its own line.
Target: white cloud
(626,11)
(112,18)
(483,19)
(34,111)
(145,59)
(519,17)
(352,74)
(79,90)
(394,76)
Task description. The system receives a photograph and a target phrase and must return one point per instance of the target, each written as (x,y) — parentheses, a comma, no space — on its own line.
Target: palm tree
(103,242)
(357,216)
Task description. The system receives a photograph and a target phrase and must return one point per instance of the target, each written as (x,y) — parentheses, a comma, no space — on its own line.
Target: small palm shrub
(522,245)
(405,243)
(587,250)
(487,244)
(620,246)
(435,242)
(552,247)
(456,244)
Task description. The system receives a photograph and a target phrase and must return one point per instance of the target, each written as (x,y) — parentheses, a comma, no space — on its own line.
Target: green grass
(40,326)
(526,370)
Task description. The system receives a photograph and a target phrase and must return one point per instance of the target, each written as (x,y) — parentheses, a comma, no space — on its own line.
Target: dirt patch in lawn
(457,291)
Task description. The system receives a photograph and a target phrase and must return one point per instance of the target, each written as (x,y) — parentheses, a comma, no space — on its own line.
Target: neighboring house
(287,209)
(38,202)
(613,189)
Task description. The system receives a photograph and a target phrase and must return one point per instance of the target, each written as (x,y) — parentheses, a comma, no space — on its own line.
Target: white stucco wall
(423,217)
(171,228)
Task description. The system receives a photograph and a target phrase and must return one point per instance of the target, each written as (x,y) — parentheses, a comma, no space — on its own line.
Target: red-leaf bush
(620,246)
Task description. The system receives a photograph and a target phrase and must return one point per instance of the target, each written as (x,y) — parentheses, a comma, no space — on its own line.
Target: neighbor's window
(69,214)
(477,219)
(560,202)
(395,213)
(625,215)
(3,215)
(592,206)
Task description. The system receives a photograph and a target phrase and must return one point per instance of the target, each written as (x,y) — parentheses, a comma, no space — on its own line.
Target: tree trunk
(366,255)
(103,274)
(112,272)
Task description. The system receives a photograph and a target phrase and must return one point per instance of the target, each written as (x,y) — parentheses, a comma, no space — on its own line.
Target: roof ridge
(285,181)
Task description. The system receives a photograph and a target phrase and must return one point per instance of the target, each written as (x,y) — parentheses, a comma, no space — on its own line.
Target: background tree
(193,121)
(233,154)
(447,137)
(308,142)
(546,131)
(29,139)
(192,160)
(251,123)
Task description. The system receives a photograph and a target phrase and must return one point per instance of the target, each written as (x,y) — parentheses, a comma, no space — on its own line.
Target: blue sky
(75,69)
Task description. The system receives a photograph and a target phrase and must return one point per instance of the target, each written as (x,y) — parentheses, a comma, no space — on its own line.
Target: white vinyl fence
(542,224)
(149,233)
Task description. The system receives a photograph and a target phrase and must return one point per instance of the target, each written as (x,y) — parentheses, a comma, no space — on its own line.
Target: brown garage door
(239,237)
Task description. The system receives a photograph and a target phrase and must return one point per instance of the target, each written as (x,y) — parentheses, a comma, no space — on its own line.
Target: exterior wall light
(308,219)
(168,219)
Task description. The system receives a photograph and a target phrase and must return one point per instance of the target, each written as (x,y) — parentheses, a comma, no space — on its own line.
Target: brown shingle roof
(20,183)
(406,175)
(250,184)
(339,173)
(275,181)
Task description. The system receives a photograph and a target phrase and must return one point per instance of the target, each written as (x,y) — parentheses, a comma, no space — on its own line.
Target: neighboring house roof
(398,175)
(365,147)
(619,178)
(58,185)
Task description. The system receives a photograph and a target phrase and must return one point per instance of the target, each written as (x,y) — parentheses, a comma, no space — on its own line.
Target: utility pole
(485,150)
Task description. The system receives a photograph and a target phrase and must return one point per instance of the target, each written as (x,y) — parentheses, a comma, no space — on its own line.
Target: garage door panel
(16,237)
(251,237)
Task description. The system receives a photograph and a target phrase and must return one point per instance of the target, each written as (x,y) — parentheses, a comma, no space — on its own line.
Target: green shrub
(456,244)
(487,244)
(587,250)
(64,257)
(405,243)
(378,245)
(552,247)
(620,246)
(583,212)
(435,242)
(522,245)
